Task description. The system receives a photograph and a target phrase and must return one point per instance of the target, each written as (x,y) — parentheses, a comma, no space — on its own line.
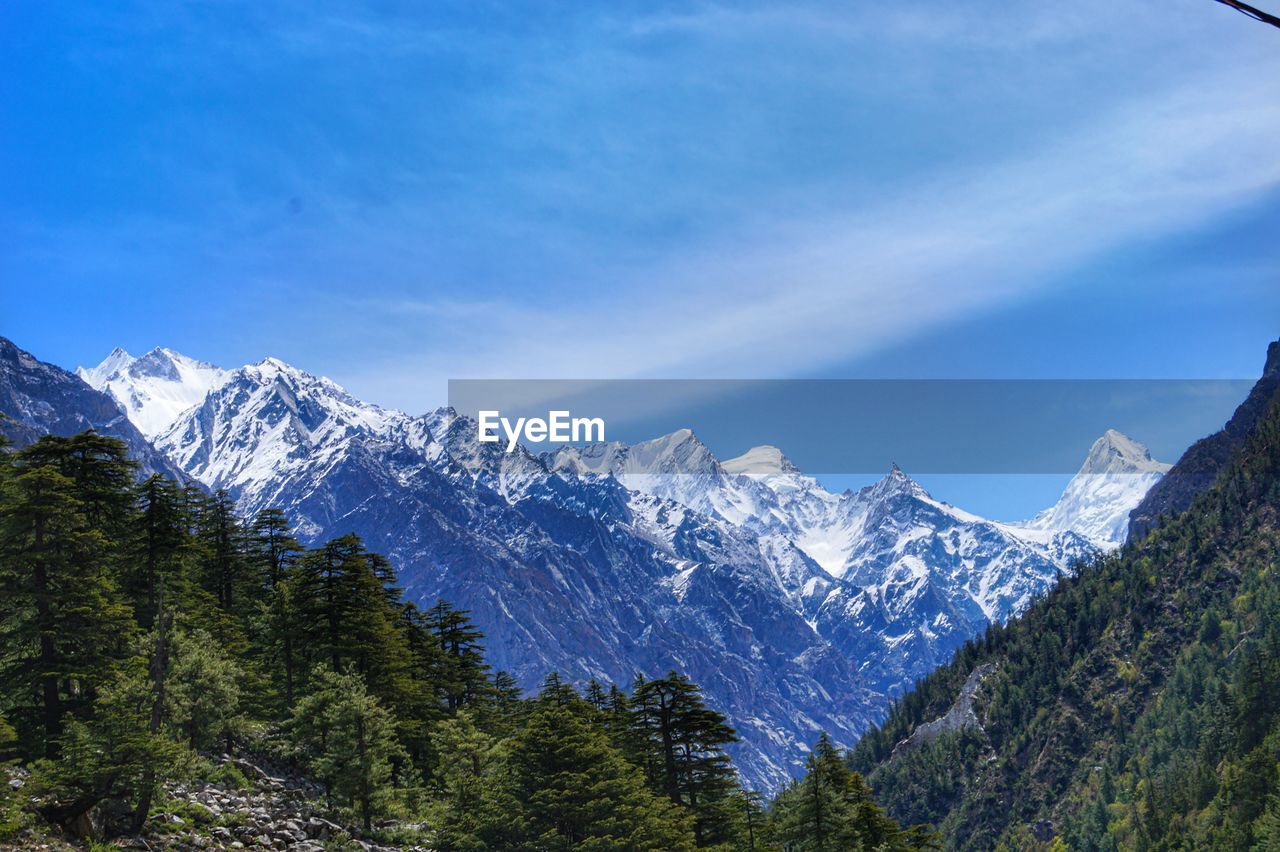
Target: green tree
(62,618)
(203,692)
(464,673)
(831,808)
(684,742)
(469,811)
(573,790)
(347,740)
(114,754)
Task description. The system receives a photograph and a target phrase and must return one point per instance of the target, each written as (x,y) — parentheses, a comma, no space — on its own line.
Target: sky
(397,194)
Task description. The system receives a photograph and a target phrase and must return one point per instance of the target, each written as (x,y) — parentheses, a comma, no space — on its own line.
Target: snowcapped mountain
(797,609)
(1114,478)
(39,399)
(571,572)
(155,388)
(905,578)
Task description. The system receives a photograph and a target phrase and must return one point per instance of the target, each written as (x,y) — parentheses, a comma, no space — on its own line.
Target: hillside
(1134,706)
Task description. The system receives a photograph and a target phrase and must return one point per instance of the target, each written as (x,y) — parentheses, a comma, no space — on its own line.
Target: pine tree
(203,697)
(464,672)
(470,811)
(573,790)
(161,548)
(226,569)
(347,739)
(345,617)
(113,754)
(686,759)
(831,808)
(62,618)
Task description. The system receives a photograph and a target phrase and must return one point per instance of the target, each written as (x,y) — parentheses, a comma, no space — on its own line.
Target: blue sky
(394,194)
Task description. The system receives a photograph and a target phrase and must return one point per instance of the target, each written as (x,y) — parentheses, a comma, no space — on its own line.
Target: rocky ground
(247,807)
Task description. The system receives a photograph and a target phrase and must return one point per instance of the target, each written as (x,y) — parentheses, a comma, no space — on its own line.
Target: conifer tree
(344,617)
(470,811)
(62,617)
(573,790)
(685,759)
(463,669)
(225,566)
(203,700)
(114,754)
(160,549)
(347,739)
(831,809)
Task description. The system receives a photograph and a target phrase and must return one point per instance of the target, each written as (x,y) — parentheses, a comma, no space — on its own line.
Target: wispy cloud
(745,189)
(790,296)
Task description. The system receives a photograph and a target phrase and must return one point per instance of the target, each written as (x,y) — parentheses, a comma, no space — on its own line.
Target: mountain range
(798,610)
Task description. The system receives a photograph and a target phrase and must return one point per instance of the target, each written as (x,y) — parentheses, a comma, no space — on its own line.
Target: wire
(1256,14)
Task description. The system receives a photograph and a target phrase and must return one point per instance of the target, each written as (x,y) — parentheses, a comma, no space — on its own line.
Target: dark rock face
(1203,460)
(40,399)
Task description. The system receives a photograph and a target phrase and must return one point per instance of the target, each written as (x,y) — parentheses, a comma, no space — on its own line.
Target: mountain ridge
(799,610)
(1130,707)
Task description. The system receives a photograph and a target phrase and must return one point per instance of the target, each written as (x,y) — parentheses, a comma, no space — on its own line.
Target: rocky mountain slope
(1132,707)
(1199,466)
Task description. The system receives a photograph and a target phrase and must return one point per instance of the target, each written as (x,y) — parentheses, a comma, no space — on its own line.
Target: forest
(148,632)
(1136,706)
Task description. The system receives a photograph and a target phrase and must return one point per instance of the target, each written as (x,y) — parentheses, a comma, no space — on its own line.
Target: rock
(16,783)
(321,829)
(250,770)
(1042,830)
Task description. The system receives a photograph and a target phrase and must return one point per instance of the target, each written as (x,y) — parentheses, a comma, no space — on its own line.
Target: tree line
(145,626)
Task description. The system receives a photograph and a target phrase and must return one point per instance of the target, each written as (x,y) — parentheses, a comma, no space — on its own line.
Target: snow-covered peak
(268,420)
(1116,452)
(157,387)
(679,453)
(764,459)
(1096,503)
(314,399)
(895,482)
(96,377)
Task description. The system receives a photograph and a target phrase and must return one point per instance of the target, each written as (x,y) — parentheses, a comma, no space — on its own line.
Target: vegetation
(145,624)
(1137,706)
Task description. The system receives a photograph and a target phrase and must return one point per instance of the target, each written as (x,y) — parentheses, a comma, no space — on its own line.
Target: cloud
(790,296)
(730,190)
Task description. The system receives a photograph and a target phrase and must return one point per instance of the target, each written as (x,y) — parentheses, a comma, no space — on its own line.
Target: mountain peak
(679,452)
(1096,503)
(155,388)
(1116,452)
(895,482)
(764,459)
(96,377)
